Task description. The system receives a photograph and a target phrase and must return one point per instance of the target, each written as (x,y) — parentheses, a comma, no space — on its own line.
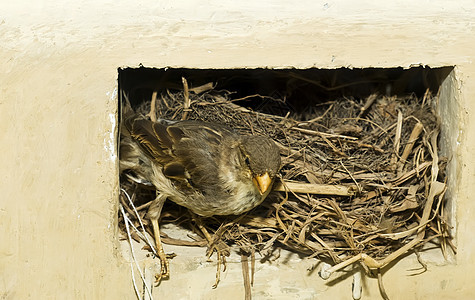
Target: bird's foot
(215,244)
(164,267)
(222,251)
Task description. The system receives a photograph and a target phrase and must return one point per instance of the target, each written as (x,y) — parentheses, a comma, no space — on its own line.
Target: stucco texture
(58,128)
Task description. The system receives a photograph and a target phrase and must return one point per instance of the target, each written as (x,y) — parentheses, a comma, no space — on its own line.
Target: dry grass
(361,180)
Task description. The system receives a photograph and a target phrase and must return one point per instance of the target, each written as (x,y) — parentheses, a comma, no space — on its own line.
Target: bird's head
(261,155)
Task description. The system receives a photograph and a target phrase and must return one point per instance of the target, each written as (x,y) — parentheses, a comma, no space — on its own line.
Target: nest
(361,180)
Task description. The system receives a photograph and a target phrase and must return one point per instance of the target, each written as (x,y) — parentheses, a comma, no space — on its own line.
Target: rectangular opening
(306,95)
(300,88)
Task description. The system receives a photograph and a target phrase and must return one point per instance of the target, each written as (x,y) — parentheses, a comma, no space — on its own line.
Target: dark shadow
(301,89)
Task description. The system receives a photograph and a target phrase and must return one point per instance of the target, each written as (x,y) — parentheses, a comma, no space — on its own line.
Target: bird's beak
(263,182)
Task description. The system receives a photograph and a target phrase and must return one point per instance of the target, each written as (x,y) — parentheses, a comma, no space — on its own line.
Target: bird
(206,167)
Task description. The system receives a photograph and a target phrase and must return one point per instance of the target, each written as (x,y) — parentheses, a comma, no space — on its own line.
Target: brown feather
(207,164)
(175,133)
(152,138)
(175,170)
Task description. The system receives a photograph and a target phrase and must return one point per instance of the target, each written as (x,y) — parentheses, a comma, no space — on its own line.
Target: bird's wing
(155,140)
(200,151)
(188,151)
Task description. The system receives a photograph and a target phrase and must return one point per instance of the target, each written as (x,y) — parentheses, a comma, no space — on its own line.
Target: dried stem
(245,275)
(345,194)
(320,189)
(187,101)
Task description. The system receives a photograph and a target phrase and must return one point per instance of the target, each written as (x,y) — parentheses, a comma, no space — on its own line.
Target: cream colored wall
(58,104)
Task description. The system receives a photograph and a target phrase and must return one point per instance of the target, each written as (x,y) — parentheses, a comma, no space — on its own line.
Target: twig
(356,285)
(381,286)
(323,134)
(364,145)
(127,222)
(320,189)
(153,107)
(358,187)
(171,241)
(400,179)
(253,265)
(202,88)
(317,118)
(423,264)
(245,275)
(333,88)
(334,257)
(187,102)
(334,148)
(150,244)
(397,140)
(253,96)
(369,101)
(134,282)
(416,131)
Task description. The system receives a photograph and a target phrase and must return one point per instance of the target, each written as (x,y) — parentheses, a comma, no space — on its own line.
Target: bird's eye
(246,159)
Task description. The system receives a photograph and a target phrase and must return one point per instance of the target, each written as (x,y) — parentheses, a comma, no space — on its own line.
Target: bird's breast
(242,197)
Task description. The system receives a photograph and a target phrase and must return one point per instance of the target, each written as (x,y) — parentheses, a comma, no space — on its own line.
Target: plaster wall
(58,105)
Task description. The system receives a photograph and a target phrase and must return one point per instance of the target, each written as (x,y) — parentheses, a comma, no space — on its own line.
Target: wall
(58,107)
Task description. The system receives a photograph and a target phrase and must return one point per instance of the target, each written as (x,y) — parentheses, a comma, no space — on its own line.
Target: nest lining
(361,180)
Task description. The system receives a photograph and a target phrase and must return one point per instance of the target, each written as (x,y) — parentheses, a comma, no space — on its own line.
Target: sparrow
(208,168)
